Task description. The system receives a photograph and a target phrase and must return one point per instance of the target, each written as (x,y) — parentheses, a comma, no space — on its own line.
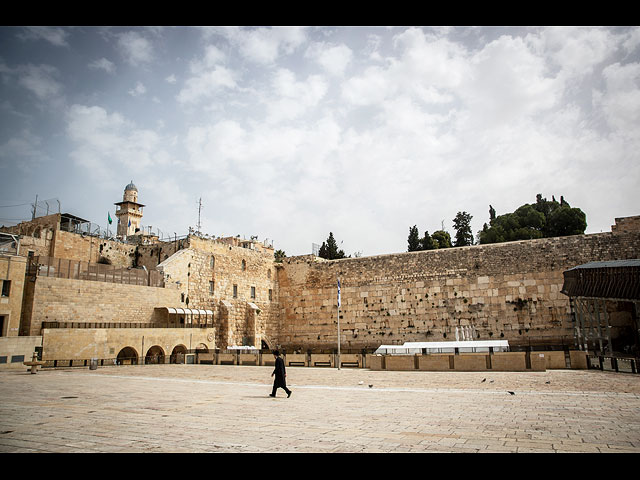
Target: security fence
(44,266)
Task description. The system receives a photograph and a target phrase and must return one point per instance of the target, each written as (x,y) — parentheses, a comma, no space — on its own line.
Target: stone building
(129,212)
(134,299)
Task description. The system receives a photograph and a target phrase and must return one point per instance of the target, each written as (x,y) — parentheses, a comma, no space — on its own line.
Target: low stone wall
(578,359)
(555,360)
(508,361)
(322,360)
(297,360)
(477,362)
(249,359)
(535,361)
(15,350)
(434,363)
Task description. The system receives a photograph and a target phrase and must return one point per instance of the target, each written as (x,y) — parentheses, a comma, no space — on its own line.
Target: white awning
(253,305)
(187,311)
(226,304)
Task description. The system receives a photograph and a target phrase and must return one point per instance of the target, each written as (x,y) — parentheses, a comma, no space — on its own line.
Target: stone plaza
(226,408)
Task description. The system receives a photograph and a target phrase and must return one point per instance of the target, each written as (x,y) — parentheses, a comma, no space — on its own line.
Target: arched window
(244,265)
(212,261)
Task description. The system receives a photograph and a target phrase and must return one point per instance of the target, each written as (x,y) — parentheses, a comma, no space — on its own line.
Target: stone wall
(505,291)
(16,350)
(106,343)
(86,248)
(626,225)
(12,268)
(238,284)
(49,299)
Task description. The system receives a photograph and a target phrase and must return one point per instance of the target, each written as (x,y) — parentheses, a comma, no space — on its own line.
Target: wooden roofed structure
(605,305)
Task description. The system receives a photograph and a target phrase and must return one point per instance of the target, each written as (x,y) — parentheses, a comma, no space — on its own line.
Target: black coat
(279,372)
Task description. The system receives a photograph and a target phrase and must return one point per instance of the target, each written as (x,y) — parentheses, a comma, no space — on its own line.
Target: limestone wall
(12,268)
(92,249)
(227,280)
(64,300)
(106,343)
(16,350)
(504,291)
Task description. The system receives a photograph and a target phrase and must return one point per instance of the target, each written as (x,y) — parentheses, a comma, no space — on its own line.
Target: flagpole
(338,323)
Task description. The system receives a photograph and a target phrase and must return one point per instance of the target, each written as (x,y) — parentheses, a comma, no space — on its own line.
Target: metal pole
(583,332)
(606,319)
(592,332)
(338,323)
(596,307)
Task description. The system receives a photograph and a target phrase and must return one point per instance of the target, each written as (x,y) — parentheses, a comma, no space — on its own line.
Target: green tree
(540,220)
(322,253)
(427,243)
(565,221)
(279,255)
(329,249)
(462,225)
(414,240)
(441,239)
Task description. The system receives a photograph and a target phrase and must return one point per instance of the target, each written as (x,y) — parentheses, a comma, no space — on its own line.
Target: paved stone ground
(222,408)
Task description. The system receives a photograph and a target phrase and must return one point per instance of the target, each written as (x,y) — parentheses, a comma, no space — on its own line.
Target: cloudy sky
(290,133)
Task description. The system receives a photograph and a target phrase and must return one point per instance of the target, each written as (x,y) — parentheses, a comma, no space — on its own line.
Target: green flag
(109,217)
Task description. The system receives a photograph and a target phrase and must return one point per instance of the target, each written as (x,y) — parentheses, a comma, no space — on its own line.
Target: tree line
(329,250)
(542,219)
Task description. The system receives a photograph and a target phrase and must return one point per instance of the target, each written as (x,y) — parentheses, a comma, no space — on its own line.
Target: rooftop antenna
(199,209)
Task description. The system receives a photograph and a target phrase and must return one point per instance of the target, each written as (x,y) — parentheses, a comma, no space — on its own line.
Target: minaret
(130,212)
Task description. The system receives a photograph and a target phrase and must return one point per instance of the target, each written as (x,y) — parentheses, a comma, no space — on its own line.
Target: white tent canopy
(190,314)
(411,348)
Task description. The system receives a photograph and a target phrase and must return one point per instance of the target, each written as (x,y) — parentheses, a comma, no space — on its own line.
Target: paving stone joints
(226,408)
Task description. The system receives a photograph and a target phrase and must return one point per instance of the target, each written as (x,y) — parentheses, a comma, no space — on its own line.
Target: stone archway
(154,356)
(178,354)
(127,356)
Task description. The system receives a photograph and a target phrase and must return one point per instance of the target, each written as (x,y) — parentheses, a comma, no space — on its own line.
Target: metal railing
(123,325)
(612,363)
(44,266)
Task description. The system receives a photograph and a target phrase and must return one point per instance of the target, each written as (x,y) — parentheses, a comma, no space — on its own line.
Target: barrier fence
(44,266)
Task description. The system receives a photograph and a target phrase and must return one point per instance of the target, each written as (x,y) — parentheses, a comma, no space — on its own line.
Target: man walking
(280,374)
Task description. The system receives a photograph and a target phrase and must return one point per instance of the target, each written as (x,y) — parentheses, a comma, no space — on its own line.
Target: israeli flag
(338,292)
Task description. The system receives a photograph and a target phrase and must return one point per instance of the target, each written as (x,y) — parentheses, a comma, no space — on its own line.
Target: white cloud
(40,80)
(135,48)
(507,81)
(333,58)
(632,41)
(206,84)
(369,88)
(24,150)
(620,101)
(103,64)
(576,50)
(55,36)
(292,98)
(104,142)
(138,90)
(427,67)
(171,79)
(266,45)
